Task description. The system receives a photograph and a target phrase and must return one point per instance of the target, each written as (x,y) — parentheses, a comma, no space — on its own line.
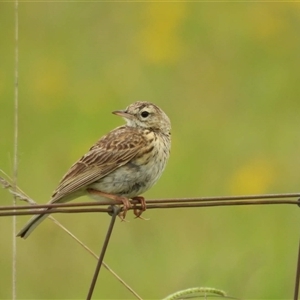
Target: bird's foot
(138,211)
(126,203)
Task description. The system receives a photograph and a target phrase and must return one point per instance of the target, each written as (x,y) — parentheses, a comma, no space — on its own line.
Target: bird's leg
(138,212)
(126,203)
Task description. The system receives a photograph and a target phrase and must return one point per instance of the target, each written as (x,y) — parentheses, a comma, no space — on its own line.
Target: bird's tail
(31,225)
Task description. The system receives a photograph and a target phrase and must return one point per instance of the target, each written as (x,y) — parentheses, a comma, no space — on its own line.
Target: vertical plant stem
(15,167)
(116,211)
(296,291)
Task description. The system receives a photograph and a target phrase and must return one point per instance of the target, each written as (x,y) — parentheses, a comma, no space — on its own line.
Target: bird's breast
(141,173)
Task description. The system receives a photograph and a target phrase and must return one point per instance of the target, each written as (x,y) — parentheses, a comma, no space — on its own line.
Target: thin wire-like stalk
(106,266)
(92,207)
(297,281)
(116,211)
(15,166)
(237,197)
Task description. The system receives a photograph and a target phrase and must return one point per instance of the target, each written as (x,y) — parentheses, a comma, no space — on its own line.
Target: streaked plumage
(126,162)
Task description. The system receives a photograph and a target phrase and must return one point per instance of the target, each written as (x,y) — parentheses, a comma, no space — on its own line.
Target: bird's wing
(111,152)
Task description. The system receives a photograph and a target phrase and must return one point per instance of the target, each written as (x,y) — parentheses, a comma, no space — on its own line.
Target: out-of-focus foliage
(228,76)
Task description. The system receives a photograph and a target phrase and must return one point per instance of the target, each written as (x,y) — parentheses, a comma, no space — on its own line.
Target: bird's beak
(122,113)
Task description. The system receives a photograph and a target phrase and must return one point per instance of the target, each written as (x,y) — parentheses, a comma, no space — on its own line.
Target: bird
(121,165)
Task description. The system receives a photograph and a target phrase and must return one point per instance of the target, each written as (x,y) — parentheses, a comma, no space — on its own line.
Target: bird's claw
(138,211)
(126,205)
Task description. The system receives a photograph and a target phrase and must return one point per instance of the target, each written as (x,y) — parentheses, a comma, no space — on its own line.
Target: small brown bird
(122,164)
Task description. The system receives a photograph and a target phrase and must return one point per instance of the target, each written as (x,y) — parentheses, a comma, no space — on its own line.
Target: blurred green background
(227,74)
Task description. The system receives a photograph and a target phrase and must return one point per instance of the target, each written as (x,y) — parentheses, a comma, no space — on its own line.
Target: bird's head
(146,115)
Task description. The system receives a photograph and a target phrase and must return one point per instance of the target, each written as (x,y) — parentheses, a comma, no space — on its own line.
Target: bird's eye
(145,114)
